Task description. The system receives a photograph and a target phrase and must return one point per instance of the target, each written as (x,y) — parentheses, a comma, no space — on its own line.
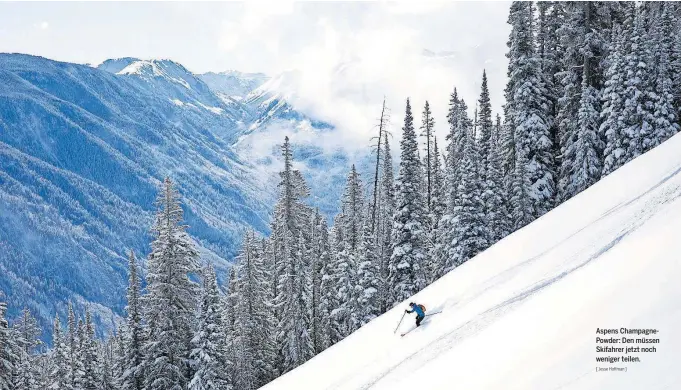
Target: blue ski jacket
(418,311)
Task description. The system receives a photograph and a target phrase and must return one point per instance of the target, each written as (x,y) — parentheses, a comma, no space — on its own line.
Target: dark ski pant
(419,319)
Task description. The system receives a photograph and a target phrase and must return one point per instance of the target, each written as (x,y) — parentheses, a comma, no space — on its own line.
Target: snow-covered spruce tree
(89,354)
(229,304)
(521,211)
(132,377)
(484,131)
(80,353)
(345,316)
(612,125)
(7,359)
(294,294)
(27,333)
(454,149)
(489,166)
(664,34)
(447,249)
(584,48)
(118,350)
(470,228)
(528,109)
(60,367)
(438,210)
(320,259)
(352,211)
(344,313)
(585,153)
(72,345)
(171,296)
(253,325)
(295,324)
(108,358)
(639,99)
(386,211)
(427,131)
(496,195)
(267,350)
(550,17)
(368,273)
(407,262)
(322,338)
(207,356)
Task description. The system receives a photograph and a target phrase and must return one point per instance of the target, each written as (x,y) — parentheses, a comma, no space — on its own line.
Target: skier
(420,311)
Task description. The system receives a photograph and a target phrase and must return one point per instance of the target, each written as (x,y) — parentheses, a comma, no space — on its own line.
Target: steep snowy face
(82,152)
(524,314)
(172,80)
(115,65)
(233,83)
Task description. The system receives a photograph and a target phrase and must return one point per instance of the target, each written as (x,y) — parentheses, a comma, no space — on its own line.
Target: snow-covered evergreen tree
(132,377)
(60,366)
(447,249)
(368,274)
(664,34)
(73,380)
(207,356)
(528,111)
(585,153)
(489,168)
(327,303)
(229,305)
(638,110)
(88,352)
(438,210)
(612,125)
(171,296)
(320,261)
(253,325)
(352,211)
(384,235)
(471,227)
(344,313)
(6,351)
(322,338)
(455,139)
(26,333)
(427,131)
(108,359)
(407,273)
(484,128)
(294,277)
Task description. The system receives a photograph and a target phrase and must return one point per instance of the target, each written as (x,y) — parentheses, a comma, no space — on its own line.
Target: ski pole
(432,314)
(398,325)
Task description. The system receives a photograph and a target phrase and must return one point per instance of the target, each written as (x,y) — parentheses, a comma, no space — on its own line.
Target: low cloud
(345,66)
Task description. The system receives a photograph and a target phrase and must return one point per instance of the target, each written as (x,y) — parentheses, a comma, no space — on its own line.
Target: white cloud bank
(348,56)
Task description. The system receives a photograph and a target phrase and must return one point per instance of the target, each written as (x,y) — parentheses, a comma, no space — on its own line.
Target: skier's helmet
(411,303)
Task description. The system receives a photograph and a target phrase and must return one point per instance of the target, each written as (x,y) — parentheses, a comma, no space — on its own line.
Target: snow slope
(524,314)
(233,83)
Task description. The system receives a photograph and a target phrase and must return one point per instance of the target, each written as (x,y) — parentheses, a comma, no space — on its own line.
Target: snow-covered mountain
(82,151)
(233,83)
(524,313)
(172,80)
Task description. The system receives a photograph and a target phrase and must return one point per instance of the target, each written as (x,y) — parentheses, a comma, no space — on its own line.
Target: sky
(346,56)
